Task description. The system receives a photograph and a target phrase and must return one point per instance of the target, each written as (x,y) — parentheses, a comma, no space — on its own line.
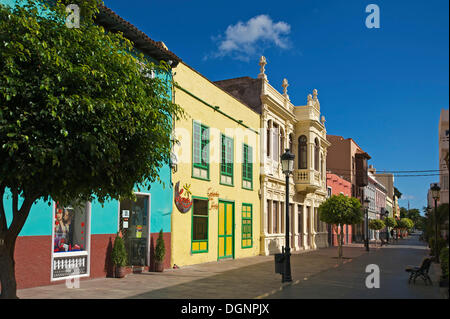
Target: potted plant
(119,257)
(160,252)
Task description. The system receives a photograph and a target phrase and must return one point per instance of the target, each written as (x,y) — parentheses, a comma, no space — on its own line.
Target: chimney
(372,169)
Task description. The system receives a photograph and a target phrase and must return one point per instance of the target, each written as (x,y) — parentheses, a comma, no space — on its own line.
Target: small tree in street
(376,225)
(340,210)
(429,223)
(79,117)
(390,223)
(404,225)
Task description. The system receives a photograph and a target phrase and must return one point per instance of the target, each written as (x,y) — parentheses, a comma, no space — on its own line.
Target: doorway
(226,230)
(135,227)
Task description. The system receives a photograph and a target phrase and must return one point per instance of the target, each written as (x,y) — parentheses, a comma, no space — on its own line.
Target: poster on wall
(183,203)
(69,227)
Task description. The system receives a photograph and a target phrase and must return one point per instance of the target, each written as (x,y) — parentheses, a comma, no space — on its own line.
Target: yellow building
(216,209)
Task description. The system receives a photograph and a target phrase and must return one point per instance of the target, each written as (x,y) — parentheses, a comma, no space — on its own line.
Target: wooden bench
(421,271)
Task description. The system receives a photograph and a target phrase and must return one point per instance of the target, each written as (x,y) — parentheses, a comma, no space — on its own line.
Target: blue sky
(382,87)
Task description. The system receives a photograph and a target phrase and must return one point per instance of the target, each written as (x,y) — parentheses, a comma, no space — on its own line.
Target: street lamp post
(366,208)
(287,164)
(435,193)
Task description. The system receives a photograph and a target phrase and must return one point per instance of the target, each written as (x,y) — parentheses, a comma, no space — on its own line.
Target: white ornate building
(302,130)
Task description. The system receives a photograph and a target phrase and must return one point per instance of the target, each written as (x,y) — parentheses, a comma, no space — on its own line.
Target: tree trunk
(7,270)
(339,245)
(8,237)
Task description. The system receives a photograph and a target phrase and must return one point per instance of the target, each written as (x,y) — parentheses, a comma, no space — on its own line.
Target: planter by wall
(120,272)
(159,266)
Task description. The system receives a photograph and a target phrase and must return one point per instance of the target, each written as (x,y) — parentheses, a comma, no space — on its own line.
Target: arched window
(302,152)
(316,154)
(275,142)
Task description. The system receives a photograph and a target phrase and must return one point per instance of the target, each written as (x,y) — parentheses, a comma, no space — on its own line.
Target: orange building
(337,185)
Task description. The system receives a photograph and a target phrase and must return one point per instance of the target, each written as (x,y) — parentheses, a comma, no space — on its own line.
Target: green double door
(226,230)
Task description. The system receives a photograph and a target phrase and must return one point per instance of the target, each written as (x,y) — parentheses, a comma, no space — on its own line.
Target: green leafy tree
(441,217)
(432,216)
(403,212)
(390,222)
(405,224)
(414,215)
(376,225)
(79,118)
(340,210)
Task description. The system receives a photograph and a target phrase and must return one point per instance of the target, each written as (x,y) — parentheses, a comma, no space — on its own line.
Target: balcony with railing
(308,180)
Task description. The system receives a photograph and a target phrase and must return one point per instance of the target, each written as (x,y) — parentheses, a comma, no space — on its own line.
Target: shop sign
(183,203)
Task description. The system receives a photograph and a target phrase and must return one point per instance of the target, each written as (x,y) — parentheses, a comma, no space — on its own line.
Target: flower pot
(120,272)
(159,266)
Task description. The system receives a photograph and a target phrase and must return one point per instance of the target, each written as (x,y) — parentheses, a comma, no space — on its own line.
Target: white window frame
(85,252)
(331,191)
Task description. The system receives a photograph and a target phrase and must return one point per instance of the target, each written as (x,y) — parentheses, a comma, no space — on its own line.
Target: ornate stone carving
(315,93)
(316,100)
(285,85)
(310,100)
(262,70)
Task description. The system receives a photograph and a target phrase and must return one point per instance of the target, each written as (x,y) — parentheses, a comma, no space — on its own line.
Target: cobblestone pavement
(249,278)
(349,281)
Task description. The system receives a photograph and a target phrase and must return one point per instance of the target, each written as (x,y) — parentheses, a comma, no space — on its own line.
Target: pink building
(348,160)
(337,185)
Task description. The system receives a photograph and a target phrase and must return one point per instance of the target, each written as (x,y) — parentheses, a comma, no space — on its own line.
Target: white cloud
(246,39)
(407,197)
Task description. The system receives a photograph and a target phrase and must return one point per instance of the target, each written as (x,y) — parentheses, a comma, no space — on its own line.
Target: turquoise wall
(8,2)
(104,219)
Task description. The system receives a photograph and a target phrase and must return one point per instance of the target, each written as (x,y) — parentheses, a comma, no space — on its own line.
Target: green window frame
(247,167)
(200,151)
(247,226)
(200,225)
(227,160)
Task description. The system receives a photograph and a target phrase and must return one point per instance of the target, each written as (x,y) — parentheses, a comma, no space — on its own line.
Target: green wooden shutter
(197,136)
(205,147)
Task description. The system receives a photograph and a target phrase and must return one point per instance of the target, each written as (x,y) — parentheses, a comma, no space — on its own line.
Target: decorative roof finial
(315,101)
(322,120)
(285,85)
(315,94)
(262,70)
(310,100)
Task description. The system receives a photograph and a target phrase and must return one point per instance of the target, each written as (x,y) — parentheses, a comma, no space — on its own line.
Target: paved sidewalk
(246,278)
(316,274)
(349,281)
